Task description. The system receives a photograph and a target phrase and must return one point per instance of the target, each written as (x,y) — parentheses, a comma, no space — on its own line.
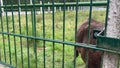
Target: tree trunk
(110,60)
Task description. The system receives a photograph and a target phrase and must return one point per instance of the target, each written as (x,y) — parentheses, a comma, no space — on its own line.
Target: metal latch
(97,32)
(107,42)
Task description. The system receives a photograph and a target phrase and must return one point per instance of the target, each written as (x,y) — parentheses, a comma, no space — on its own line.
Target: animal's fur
(94,56)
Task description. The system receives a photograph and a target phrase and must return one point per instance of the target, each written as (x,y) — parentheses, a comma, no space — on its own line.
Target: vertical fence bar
(14,32)
(106,19)
(26,8)
(90,17)
(8,35)
(76,21)
(34,29)
(53,31)
(3,38)
(21,47)
(64,8)
(43,16)
(19,6)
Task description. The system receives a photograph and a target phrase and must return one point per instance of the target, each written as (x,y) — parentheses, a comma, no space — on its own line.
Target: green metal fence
(30,39)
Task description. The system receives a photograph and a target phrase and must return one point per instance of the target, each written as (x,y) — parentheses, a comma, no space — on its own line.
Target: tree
(110,60)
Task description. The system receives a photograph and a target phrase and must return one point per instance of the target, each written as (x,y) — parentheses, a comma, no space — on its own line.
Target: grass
(13,44)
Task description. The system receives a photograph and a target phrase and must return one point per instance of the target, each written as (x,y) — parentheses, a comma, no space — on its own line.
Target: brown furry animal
(94,56)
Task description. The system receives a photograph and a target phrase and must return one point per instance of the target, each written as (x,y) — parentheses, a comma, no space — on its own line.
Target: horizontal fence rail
(97,3)
(61,42)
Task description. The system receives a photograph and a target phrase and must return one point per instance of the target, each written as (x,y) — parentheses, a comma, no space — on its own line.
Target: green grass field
(14,44)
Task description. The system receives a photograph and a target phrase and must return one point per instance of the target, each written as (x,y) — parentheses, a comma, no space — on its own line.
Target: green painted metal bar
(61,42)
(108,43)
(28,52)
(63,52)
(21,47)
(13,23)
(43,17)
(90,17)
(96,3)
(10,58)
(76,22)
(53,31)
(106,19)
(34,31)
(2,30)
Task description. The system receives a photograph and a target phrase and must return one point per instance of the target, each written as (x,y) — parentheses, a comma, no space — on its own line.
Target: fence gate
(43,35)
